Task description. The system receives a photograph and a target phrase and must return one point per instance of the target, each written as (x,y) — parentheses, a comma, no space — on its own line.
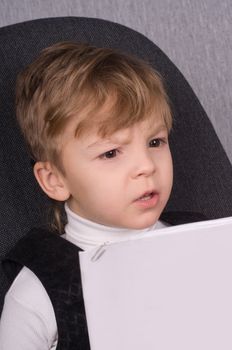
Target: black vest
(55,262)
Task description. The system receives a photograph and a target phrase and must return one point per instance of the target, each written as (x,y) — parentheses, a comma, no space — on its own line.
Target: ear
(51,181)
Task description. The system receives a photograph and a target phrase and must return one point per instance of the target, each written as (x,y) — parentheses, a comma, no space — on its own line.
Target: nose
(144,165)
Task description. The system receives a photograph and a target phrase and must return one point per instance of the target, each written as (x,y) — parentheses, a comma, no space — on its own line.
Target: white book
(170,289)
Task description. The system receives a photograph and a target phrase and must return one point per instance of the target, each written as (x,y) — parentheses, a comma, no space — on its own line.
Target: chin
(143,224)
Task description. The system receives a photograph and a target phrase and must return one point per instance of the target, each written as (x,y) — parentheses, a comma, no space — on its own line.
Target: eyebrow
(112,139)
(157,129)
(99,143)
(124,140)
(103,142)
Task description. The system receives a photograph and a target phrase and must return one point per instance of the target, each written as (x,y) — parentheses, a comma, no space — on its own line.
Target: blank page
(170,289)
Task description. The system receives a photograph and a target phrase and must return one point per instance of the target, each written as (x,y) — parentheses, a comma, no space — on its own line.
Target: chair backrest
(203,173)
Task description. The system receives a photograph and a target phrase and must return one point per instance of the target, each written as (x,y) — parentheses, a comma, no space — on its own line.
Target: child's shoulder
(28,293)
(28,289)
(28,312)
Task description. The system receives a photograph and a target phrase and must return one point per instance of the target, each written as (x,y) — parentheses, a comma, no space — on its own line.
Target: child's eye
(109,154)
(157,142)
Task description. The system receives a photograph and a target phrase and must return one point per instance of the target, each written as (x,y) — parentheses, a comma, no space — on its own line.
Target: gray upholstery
(203,173)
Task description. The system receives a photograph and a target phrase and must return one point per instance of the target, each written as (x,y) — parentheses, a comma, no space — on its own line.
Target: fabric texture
(55,261)
(202,171)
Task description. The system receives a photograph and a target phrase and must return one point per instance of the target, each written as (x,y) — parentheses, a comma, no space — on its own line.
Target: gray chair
(203,173)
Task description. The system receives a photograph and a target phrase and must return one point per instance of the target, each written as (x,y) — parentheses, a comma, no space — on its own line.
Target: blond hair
(71,81)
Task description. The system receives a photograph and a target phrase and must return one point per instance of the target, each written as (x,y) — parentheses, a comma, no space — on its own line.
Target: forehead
(108,119)
(147,127)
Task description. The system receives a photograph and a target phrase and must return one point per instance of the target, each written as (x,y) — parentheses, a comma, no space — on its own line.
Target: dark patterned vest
(55,262)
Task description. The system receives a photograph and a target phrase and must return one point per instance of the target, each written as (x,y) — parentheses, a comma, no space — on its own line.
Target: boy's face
(123,180)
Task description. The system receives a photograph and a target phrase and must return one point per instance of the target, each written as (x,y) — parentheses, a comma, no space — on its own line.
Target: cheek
(98,185)
(168,171)
(170,166)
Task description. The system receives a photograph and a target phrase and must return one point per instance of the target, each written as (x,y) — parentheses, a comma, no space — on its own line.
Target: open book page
(170,289)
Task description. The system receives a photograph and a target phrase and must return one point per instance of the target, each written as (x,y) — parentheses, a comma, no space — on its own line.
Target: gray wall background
(195,34)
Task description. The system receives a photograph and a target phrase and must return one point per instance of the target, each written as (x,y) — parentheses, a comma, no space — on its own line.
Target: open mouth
(146,196)
(148,200)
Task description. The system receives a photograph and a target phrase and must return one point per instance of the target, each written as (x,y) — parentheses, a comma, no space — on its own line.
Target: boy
(96,122)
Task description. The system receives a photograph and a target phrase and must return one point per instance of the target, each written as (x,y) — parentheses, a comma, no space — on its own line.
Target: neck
(87,234)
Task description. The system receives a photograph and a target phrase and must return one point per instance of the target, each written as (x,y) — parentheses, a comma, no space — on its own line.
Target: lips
(148,200)
(146,196)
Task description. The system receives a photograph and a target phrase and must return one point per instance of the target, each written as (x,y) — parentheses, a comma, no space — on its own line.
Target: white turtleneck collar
(87,234)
